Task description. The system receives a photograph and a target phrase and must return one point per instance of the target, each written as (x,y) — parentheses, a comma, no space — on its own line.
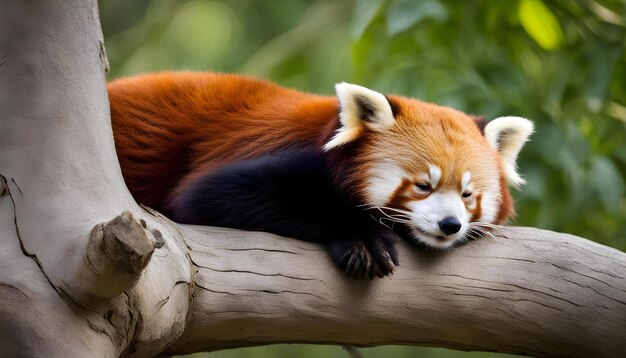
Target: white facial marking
(489,204)
(427,213)
(435,175)
(385,178)
(467,176)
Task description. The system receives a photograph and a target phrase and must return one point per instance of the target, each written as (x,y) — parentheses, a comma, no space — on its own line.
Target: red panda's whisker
(492,236)
(404,217)
(475,234)
(484,224)
(394,220)
(482,232)
(400,211)
(469,236)
(393,217)
(385,225)
(487,230)
(487,227)
(380,221)
(390,227)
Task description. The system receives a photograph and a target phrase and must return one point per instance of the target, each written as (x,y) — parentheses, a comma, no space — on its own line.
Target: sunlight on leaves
(540,24)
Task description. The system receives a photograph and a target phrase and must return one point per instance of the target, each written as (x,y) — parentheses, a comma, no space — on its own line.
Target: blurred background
(560,63)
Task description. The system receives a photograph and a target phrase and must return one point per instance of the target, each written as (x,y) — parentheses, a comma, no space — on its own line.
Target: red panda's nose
(450,225)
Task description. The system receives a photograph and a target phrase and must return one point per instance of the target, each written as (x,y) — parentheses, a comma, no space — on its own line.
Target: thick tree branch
(531,292)
(85,271)
(56,142)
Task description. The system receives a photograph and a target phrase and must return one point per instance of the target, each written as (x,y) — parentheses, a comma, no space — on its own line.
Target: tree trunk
(85,271)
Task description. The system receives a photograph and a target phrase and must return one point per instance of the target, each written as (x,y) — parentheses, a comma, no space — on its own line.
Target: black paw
(375,257)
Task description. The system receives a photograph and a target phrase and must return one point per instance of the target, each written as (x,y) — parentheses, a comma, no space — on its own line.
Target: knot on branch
(4,186)
(117,253)
(125,243)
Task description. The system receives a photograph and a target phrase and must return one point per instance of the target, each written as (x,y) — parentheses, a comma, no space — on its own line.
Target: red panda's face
(428,168)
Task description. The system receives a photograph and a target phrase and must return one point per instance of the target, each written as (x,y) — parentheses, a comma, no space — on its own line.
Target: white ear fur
(359,107)
(508,135)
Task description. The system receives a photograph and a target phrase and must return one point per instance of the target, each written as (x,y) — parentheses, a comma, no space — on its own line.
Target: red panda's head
(426,168)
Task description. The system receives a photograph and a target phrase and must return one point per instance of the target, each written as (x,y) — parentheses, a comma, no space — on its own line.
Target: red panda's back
(168,124)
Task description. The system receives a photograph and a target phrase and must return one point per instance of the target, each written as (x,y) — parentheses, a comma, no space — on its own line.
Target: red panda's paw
(365,259)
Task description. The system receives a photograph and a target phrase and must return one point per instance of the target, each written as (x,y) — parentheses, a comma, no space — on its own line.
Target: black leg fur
(289,194)
(368,255)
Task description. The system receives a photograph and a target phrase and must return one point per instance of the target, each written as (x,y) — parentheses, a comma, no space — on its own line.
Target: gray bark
(85,271)
(533,292)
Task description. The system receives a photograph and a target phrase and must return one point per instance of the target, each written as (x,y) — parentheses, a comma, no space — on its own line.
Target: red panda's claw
(385,265)
(359,264)
(363,259)
(388,262)
(351,262)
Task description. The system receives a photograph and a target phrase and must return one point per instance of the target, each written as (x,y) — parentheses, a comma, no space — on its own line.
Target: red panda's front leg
(369,254)
(290,194)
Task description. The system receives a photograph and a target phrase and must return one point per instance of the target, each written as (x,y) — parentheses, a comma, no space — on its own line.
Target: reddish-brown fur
(169,127)
(168,124)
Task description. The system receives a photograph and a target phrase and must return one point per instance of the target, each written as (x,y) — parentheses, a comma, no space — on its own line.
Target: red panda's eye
(423,187)
(467,194)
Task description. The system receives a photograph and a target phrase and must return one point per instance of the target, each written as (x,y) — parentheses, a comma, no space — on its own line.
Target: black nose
(450,225)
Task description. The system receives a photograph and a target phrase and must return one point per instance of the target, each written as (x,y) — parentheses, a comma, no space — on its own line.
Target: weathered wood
(531,292)
(58,156)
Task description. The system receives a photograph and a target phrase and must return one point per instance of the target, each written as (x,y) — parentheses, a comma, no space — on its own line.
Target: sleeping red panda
(227,150)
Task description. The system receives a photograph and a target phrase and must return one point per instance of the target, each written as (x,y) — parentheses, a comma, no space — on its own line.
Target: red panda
(228,150)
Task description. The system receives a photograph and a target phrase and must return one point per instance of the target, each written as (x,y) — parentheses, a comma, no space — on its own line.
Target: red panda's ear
(481,122)
(359,108)
(507,135)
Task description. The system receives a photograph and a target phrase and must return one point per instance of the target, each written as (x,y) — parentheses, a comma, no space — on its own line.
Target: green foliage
(319,351)
(559,63)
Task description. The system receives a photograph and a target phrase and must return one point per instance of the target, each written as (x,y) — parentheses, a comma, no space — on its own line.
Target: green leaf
(364,14)
(607,181)
(404,14)
(602,60)
(540,24)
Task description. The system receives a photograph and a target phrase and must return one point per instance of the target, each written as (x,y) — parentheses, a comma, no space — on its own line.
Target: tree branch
(532,292)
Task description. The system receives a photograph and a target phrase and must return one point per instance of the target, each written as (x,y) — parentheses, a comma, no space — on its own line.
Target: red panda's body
(228,150)
(168,124)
